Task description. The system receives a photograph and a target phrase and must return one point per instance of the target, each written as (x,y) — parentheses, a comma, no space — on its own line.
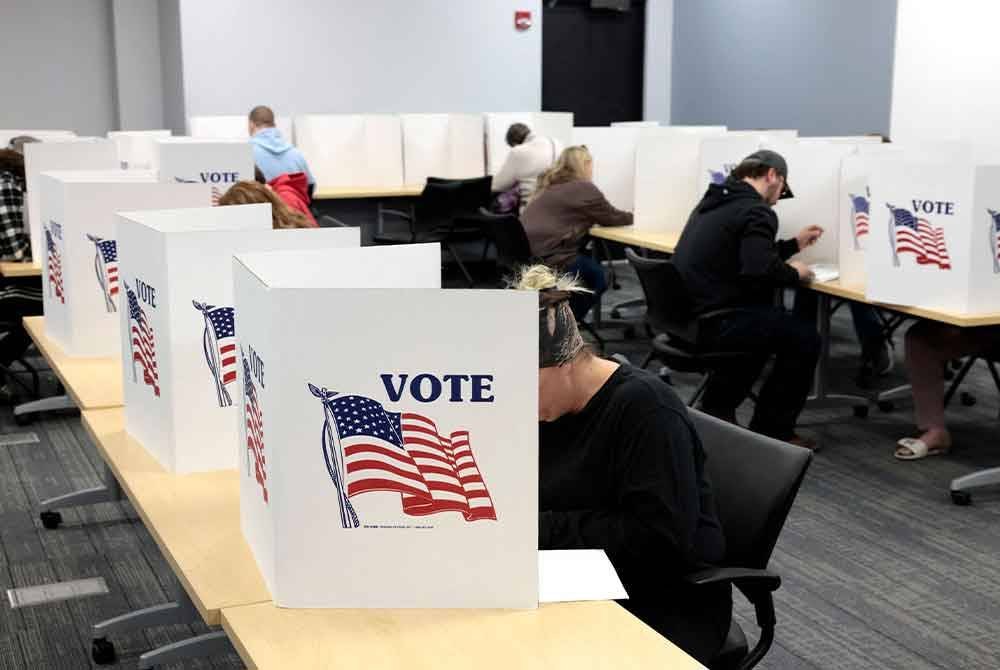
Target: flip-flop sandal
(917,449)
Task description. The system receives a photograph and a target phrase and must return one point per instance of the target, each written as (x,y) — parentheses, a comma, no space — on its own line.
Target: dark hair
(258,176)
(17,143)
(13,162)
(517,134)
(262,115)
(749,170)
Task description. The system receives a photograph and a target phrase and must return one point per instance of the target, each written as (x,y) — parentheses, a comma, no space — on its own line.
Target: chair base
(733,651)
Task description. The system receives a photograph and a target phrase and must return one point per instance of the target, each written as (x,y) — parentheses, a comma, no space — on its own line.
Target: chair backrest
(668,307)
(755,480)
(511,242)
(444,200)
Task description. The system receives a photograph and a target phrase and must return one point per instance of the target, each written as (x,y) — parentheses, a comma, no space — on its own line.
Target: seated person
(292,188)
(530,155)
(563,209)
(621,469)
(250,192)
(876,352)
(271,152)
(20,296)
(929,346)
(728,257)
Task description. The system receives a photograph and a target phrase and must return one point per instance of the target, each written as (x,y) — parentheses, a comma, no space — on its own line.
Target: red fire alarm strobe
(522,20)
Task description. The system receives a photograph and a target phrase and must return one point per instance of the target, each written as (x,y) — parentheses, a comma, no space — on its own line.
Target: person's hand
(808,236)
(805,274)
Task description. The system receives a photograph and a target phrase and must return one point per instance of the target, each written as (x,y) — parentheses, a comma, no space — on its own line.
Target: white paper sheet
(569,575)
(825,272)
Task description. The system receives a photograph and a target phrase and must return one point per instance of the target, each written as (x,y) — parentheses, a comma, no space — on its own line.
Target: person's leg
(591,274)
(729,385)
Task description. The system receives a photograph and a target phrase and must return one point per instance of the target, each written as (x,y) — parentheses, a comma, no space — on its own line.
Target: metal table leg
(821,397)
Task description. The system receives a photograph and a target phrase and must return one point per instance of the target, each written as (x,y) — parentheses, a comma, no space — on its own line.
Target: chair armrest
(728,311)
(333,222)
(751,577)
(395,212)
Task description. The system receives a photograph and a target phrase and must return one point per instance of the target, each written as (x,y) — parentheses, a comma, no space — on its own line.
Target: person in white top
(530,155)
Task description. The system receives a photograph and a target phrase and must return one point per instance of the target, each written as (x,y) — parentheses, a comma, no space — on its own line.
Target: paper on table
(824,272)
(569,575)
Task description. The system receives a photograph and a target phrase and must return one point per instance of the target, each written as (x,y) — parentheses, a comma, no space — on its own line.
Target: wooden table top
(92,383)
(648,239)
(570,636)
(20,269)
(323,193)
(195,519)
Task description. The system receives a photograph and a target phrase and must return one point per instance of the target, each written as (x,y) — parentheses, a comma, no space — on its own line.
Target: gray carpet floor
(879,569)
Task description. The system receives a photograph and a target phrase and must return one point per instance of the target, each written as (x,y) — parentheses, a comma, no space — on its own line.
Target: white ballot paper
(568,575)
(825,272)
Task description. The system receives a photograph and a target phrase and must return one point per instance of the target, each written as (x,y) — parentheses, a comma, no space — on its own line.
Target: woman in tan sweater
(565,206)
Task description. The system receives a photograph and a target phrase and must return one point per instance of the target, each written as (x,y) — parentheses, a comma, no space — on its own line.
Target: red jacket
(294,190)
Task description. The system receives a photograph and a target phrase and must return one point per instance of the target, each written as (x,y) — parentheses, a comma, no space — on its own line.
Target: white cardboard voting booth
(667,177)
(613,150)
(721,153)
(814,177)
(136,147)
(449,146)
(352,150)
(557,125)
(43,156)
(177,325)
(767,135)
(635,124)
(218,163)
(7,134)
(935,235)
(233,127)
(389,456)
(81,283)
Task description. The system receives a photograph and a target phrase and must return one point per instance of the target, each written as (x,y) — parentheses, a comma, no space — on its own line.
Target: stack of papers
(825,272)
(577,574)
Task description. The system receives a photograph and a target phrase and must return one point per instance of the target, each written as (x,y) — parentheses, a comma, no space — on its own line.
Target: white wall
(658,60)
(137,64)
(360,56)
(172,66)
(945,81)
(56,65)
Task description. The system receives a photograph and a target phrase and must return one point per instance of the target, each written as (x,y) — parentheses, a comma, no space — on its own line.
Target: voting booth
(233,127)
(80,267)
(721,153)
(136,147)
(43,156)
(7,134)
(218,163)
(935,235)
(767,135)
(449,146)
(667,177)
(557,125)
(352,150)
(814,177)
(613,150)
(178,340)
(389,456)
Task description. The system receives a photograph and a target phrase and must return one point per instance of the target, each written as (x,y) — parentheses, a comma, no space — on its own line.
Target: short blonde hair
(543,278)
(559,340)
(570,166)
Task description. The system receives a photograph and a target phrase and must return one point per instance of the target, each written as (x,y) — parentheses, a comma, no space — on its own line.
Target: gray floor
(879,569)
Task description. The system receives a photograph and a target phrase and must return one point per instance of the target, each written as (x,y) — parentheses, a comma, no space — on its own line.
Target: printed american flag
(860,209)
(223,332)
(143,342)
(918,237)
(54,262)
(995,239)
(405,453)
(717,177)
(254,420)
(107,257)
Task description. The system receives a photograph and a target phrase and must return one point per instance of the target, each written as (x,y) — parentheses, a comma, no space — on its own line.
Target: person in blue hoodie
(271,152)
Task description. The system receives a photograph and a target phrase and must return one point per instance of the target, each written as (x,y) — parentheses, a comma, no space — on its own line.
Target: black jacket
(727,254)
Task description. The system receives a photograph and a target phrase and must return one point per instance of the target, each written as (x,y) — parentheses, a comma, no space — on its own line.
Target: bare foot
(937,438)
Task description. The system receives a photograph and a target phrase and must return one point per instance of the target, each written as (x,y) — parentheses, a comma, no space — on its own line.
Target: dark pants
(867,326)
(591,275)
(763,332)
(18,298)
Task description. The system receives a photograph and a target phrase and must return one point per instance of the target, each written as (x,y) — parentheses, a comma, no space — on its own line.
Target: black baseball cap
(772,159)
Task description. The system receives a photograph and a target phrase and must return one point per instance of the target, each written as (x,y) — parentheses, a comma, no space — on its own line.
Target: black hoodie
(727,254)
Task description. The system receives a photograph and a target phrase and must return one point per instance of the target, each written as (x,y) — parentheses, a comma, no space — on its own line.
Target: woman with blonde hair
(621,468)
(565,206)
(250,193)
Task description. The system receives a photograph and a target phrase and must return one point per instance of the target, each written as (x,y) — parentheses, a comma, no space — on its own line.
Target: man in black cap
(729,257)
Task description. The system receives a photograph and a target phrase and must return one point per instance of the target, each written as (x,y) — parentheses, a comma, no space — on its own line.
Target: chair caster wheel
(616,314)
(962,498)
(886,405)
(51,520)
(861,411)
(23,419)
(629,333)
(967,399)
(103,651)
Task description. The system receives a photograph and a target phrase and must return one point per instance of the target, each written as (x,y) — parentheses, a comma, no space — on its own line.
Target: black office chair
(673,328)
(507,236)
(755,480)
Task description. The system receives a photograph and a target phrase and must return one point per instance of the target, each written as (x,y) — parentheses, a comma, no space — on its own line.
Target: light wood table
(647,239)
(92,383)
(326,193)
(20,269)
(195,518)
(570,636)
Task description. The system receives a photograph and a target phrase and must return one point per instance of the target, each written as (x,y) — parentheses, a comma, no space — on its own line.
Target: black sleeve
(761,259)
(656,514)
(788,248)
